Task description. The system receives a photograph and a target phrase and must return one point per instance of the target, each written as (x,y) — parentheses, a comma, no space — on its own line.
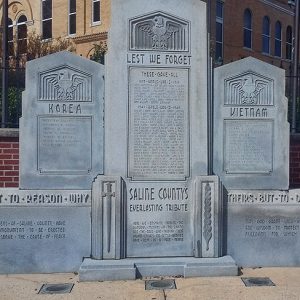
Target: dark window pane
(247,38)
(278,30)
(266,26)
(247,19)
(219,51)
(96,11)
(22,46)
(10,48)
(289,36)
(219,32)
(72,24)
(47,29)
(72,6)
(10,34)
(278,48)
(289,51)
(22,19)
(266,44)
(47,9)
(289,43)
(22,31)
(219,9)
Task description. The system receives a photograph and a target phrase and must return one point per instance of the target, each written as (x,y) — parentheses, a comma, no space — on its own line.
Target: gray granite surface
(251,132)
(61,129)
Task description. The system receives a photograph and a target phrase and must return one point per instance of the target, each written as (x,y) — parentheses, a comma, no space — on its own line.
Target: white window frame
(96,22)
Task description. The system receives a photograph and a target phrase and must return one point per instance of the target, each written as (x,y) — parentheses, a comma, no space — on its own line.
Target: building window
(72,17)
(247,29)
(278,39)
(289,43)
(22,34)
(219,31)
(96,11)
(266,36)
(10,37)
(46,19)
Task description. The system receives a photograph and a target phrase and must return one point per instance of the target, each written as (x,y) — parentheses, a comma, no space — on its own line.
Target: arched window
(10,38)
(22,34)
(278,39)
(266,35)
(289,43)
(248,29)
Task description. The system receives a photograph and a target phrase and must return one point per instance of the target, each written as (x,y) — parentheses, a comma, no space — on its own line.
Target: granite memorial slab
(61,129)
(156,85)
(264,227)
(251,132)
(155,210)
(44,231)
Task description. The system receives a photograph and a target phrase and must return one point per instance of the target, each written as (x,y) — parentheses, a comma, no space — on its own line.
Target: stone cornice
(90,38)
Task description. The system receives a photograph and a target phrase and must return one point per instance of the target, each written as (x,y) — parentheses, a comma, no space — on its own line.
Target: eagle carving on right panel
(249,89)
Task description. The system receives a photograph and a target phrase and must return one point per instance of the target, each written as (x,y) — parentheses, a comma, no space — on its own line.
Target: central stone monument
(155,211)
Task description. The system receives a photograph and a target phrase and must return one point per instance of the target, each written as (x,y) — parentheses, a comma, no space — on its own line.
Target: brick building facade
(85,22)
(260,28)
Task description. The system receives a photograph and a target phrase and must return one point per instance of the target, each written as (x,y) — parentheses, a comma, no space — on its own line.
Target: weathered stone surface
(108,230)
(61,129)
(263,227)
(208,222)
(251,133)
(130,268)
(44,231)
(156,119)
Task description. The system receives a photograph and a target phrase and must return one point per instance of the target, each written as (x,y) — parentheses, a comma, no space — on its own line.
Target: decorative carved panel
(249,89)
(65,84)
(159,31)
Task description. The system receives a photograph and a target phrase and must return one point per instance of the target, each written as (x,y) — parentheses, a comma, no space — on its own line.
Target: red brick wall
(295,161)
(9,162)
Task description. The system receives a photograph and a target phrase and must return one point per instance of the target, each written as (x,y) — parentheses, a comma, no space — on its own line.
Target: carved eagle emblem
(250,90)
(65,85)
(160,30)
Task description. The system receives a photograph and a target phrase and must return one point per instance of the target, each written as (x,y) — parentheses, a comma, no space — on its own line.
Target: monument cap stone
(61,129)
(251,132)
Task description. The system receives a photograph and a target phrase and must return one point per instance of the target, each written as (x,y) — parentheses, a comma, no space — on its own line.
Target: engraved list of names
(158,124)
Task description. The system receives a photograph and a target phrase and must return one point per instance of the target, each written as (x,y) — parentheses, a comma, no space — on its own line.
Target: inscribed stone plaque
(251,132)
(156,119)
(248,146)
(71,135)
(158,128)
(264,227)
(44,231)
(61,129)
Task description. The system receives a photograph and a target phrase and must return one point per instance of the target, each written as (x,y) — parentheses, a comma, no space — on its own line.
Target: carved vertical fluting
(207,230)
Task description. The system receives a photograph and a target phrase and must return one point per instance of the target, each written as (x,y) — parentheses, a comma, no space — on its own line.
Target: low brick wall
(9,159)
(295,160)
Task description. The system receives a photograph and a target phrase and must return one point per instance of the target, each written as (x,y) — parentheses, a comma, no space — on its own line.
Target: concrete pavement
(287,280)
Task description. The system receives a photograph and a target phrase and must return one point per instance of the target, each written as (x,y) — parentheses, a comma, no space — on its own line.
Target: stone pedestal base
(133,268)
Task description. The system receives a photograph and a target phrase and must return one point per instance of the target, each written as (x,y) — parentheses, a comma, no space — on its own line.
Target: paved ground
(287,282)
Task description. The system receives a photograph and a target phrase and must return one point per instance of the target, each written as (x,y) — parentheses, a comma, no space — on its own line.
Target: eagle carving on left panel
(65,84)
